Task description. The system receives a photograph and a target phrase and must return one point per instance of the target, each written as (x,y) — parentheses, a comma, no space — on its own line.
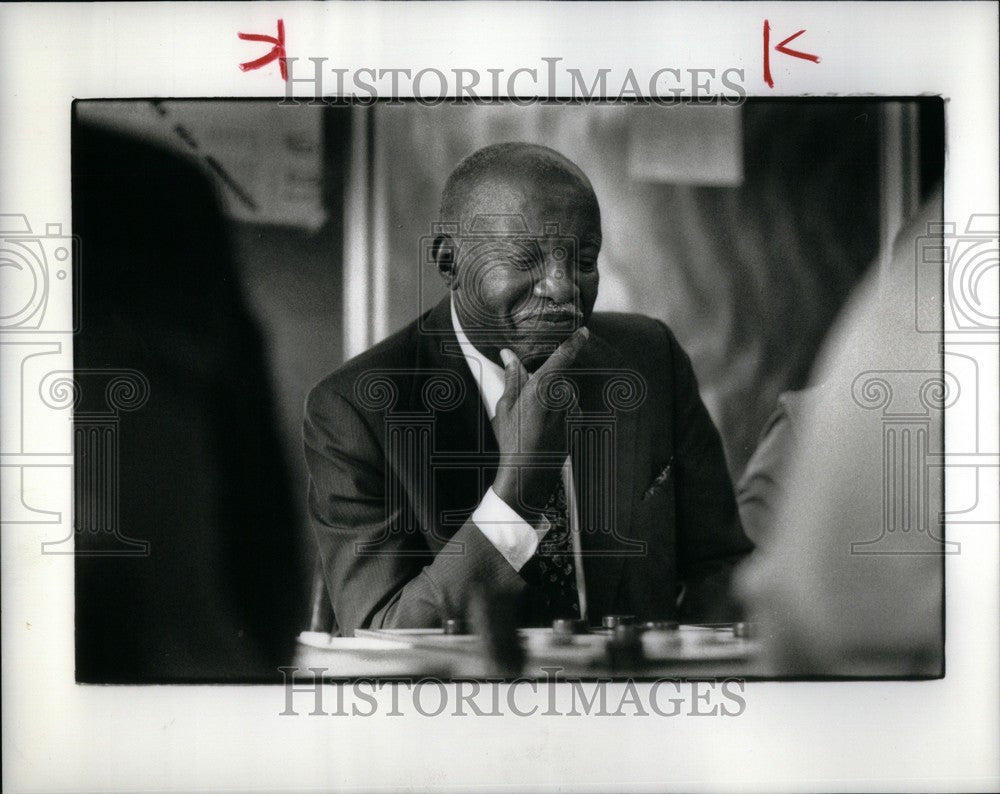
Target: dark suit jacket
(400,451)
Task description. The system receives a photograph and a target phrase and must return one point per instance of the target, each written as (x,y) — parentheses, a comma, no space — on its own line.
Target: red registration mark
(784,50)
(277,51)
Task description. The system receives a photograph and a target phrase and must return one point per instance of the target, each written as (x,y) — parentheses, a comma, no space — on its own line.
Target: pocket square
(661,478)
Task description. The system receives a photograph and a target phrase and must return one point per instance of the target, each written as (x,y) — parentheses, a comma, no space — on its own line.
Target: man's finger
(514,376)
(566,353)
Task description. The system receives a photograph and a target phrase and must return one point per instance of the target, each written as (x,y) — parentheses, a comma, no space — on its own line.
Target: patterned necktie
(555,564)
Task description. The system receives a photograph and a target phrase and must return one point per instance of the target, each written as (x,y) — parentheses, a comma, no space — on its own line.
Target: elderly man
(512,440)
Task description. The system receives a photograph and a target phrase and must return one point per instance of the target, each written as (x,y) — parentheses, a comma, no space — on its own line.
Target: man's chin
(533,356)
(533,347)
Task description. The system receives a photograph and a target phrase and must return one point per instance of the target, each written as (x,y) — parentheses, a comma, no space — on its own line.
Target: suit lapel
(602,447)
(464,453)
(463,427)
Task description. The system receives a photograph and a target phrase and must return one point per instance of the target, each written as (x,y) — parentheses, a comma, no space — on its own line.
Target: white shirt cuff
(514,537)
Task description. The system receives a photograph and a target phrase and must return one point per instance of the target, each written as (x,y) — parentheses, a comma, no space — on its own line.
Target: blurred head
(521,261)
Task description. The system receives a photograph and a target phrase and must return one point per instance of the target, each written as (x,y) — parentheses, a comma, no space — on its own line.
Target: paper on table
(321,639)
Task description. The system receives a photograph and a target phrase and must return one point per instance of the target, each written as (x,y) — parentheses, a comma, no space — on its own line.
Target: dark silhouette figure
(195,472)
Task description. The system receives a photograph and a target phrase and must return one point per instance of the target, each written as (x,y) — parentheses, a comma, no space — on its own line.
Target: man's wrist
(506,489)
(527,489)
(516,539)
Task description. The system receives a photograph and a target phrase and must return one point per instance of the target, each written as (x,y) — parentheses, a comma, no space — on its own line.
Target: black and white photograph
(489,396)
(617,389)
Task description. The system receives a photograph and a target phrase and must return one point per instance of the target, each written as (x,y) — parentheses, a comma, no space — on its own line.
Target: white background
(937,735)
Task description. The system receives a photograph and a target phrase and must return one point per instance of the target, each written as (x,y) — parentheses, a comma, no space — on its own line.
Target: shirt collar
(488,376)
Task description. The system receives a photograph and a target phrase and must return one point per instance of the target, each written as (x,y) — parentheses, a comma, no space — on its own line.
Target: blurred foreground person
(849,579)
(186,567)
(761,489)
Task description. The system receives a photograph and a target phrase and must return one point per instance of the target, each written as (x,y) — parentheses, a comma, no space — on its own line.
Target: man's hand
(525,426)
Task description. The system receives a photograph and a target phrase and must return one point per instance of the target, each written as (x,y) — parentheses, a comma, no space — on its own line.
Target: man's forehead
(527,203)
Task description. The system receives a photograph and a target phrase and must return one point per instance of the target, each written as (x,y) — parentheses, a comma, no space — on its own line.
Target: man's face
(526,274)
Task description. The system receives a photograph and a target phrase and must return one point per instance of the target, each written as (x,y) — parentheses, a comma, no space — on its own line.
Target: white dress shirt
(514,537)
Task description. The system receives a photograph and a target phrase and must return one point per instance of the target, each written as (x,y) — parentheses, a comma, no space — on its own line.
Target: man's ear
(443,253)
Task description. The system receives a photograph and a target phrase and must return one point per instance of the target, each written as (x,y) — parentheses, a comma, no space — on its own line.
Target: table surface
(690,650)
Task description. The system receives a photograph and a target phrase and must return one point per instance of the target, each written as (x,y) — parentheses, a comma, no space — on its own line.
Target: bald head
(480,181)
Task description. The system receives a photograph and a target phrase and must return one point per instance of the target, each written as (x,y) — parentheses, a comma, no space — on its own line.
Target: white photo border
(888,735)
